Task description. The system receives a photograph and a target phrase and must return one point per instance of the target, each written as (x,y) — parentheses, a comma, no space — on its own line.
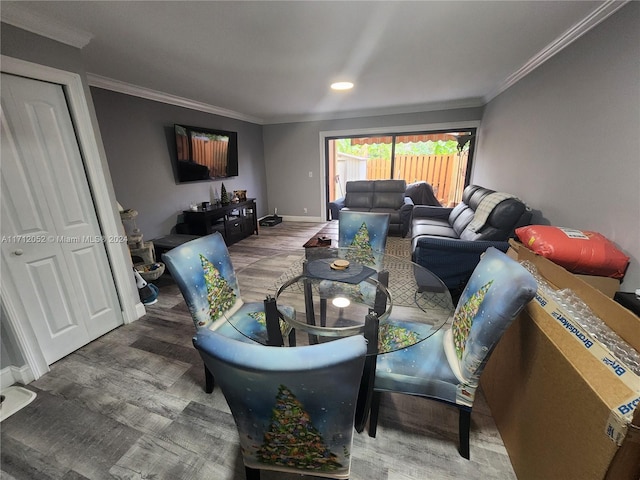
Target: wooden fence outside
(445,173)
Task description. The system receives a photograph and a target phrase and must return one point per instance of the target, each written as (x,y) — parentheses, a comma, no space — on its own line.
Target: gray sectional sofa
(449,241)
(381,196)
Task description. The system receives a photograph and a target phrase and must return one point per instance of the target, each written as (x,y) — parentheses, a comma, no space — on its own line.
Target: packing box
(564,406)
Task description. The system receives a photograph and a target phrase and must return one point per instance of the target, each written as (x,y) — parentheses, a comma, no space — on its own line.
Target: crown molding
(604,11)
(397,110)
(113,85)
(157,96)
(18,16)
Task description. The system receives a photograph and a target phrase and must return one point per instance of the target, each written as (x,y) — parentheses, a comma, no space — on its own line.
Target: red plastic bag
(578,251)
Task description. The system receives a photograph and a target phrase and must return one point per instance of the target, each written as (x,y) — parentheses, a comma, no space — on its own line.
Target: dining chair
(362,238)
(447,366)
(203,271)
(293,407)
(365,233)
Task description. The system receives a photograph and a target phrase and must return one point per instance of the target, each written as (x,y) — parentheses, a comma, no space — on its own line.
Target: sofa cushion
(506,214)
(359,194)
(456,211)
(358,200)
(463,220)
(468,191)
(500,222)
(356,209)
(443,230)
(394,214)
(389,193)
(477,196)
(431,231)
(388,200)
(422,221)
(460,217)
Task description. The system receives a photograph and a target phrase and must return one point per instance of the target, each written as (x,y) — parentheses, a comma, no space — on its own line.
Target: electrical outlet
(310,174)
(305,209)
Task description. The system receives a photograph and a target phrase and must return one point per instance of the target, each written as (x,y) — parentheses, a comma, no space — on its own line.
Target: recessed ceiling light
(342,86)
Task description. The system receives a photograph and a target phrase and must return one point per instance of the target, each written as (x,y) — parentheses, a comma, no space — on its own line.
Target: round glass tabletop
(317,300)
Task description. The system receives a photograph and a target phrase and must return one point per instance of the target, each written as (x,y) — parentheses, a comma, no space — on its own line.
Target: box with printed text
(565,406)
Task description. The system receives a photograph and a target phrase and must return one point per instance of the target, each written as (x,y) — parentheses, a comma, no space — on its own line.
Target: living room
(563,137)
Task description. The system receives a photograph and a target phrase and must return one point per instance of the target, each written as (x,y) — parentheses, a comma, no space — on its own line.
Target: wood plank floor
(131,405)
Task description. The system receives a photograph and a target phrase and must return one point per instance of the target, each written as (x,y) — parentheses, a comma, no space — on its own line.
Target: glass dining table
(336,292)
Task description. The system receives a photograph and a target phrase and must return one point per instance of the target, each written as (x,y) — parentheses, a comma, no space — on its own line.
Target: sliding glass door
(441,158)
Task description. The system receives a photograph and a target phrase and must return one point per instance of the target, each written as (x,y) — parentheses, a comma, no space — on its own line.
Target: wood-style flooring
(131,405)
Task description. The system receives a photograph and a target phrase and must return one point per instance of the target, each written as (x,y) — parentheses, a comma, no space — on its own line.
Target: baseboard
(11,375)
(140,310)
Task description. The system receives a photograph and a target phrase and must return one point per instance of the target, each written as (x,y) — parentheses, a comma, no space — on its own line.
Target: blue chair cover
(204,273)
(294,407)
(447,366)
(366,233)
(365,236)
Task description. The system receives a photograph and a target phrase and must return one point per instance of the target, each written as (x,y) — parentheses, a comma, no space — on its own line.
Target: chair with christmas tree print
(203,271)
(362,238)
(446,366)
(365,236)
(294,407)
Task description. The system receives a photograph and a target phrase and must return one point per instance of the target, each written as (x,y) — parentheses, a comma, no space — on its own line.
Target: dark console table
(234,221)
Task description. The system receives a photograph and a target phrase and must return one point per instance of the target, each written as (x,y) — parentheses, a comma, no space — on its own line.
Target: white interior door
(52,250)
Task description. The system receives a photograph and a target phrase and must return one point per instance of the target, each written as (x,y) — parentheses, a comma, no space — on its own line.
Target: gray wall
(138,139)
(292,150)
(27,46)
(566,138)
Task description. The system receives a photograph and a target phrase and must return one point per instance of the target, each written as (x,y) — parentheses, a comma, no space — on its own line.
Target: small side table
(168,242)
(317,241)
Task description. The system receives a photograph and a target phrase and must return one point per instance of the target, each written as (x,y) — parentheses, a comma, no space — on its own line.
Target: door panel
(52,246)
(96,302)
(57,165)
(19,187)
(46,278)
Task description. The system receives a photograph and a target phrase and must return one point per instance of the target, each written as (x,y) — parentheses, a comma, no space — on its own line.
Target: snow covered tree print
(261,319)
(220,295)
(394,337)
(361,250)
(463,319)
(292,440)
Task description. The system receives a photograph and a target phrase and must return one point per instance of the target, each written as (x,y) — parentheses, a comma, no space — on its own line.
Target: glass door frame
(326,136)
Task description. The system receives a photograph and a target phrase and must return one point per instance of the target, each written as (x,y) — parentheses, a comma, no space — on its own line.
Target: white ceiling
(271,62)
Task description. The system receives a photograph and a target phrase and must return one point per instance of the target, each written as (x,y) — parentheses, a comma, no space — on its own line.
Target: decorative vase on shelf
(224,198)
(215,196)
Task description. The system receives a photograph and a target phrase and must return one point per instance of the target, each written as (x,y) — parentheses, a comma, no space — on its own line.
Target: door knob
(18,252)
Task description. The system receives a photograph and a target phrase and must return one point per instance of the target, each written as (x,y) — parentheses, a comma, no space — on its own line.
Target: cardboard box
(564,412)
(607,285)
